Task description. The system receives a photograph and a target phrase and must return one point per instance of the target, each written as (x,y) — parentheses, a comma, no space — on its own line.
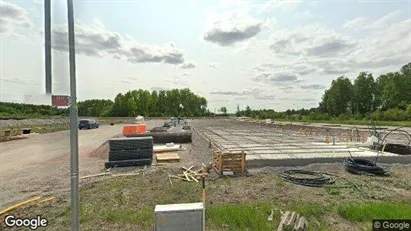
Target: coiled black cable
(314,179)
(363,166)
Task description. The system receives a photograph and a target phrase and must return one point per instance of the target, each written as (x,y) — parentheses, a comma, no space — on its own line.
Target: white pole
(73,122)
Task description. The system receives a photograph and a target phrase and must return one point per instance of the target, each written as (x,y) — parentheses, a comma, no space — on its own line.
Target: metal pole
(73,122)
(47,44)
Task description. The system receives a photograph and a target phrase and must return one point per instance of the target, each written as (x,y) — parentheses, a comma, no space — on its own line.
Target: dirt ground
(40,165)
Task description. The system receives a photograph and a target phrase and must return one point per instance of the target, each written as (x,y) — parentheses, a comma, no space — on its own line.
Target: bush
(395,114)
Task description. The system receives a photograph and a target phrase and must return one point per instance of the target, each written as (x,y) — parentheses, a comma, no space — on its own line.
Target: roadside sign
(60,100)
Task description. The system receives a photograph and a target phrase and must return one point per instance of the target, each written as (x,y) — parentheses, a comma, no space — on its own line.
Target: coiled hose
(314,179)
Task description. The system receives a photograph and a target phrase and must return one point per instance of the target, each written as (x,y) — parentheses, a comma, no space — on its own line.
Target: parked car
(88,124)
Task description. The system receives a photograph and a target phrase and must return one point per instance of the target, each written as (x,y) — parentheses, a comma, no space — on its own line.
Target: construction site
(211,174)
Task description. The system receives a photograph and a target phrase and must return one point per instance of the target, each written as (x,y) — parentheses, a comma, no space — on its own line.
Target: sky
(266,54)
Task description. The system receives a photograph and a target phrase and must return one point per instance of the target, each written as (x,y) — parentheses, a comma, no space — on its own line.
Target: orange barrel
(141,128)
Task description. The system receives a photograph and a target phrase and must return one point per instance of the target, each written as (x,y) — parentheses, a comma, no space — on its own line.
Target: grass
(241,216)
(37,128)
(367,212)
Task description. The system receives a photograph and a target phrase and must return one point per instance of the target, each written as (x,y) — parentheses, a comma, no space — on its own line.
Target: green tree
(248,111)
(337,100)
(365,94)
(223,110)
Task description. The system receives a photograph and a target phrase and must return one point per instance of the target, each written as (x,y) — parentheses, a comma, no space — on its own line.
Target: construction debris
(167,157)
(170,147)
(292,221)
(191,175)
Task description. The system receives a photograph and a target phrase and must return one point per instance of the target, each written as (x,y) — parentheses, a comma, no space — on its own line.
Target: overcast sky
(266,54)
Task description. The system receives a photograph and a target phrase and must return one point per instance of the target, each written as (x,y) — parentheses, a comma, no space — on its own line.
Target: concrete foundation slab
(269,147)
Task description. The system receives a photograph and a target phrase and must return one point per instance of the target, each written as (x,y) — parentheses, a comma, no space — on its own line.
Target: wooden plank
(177,177)
(291,220)
(284,218)
(235,163)
(220,163)
(232,153)
(166,157)
(231,157)
(232,164)
(189,170)
(242,162)
(194,178)
(302,224)
(186,175)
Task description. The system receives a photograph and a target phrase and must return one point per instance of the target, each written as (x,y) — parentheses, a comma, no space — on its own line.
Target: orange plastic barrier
(134,129)
(141,128)
(126,130)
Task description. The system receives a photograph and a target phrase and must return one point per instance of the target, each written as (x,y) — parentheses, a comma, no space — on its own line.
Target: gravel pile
(33,122)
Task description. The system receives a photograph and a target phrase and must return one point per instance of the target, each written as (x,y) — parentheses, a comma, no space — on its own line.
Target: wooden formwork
(229,162)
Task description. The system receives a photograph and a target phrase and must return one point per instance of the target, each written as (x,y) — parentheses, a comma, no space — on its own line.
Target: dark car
(87,124)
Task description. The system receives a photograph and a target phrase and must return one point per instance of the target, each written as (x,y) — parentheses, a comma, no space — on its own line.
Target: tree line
(23,111)
(175,102)
(387,97)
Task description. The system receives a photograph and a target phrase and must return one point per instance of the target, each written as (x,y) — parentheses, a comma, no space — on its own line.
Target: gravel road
(40,165)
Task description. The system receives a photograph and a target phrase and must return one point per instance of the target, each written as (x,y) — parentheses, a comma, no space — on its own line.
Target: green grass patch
(311,209)
(241,216)
(36,128)
(369,211)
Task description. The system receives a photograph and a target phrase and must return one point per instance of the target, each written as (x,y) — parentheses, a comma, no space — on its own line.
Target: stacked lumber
(191,175)
(292,221)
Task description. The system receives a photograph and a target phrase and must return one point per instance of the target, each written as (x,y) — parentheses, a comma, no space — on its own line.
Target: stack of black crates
(128,152)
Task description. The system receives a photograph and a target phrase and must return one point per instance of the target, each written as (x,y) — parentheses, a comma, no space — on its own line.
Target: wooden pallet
(167,157)
(229,162)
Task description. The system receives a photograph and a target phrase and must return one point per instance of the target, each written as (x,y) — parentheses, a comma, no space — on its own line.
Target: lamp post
(47,45)
(73,121)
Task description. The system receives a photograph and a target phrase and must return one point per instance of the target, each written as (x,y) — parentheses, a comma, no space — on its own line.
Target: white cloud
(312,40)
(231,28)
(364,23)
(282,5)
(188,65)
(357,23)
(100,42)
(317,51)
(213,65)
(12,15)
(255,93)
